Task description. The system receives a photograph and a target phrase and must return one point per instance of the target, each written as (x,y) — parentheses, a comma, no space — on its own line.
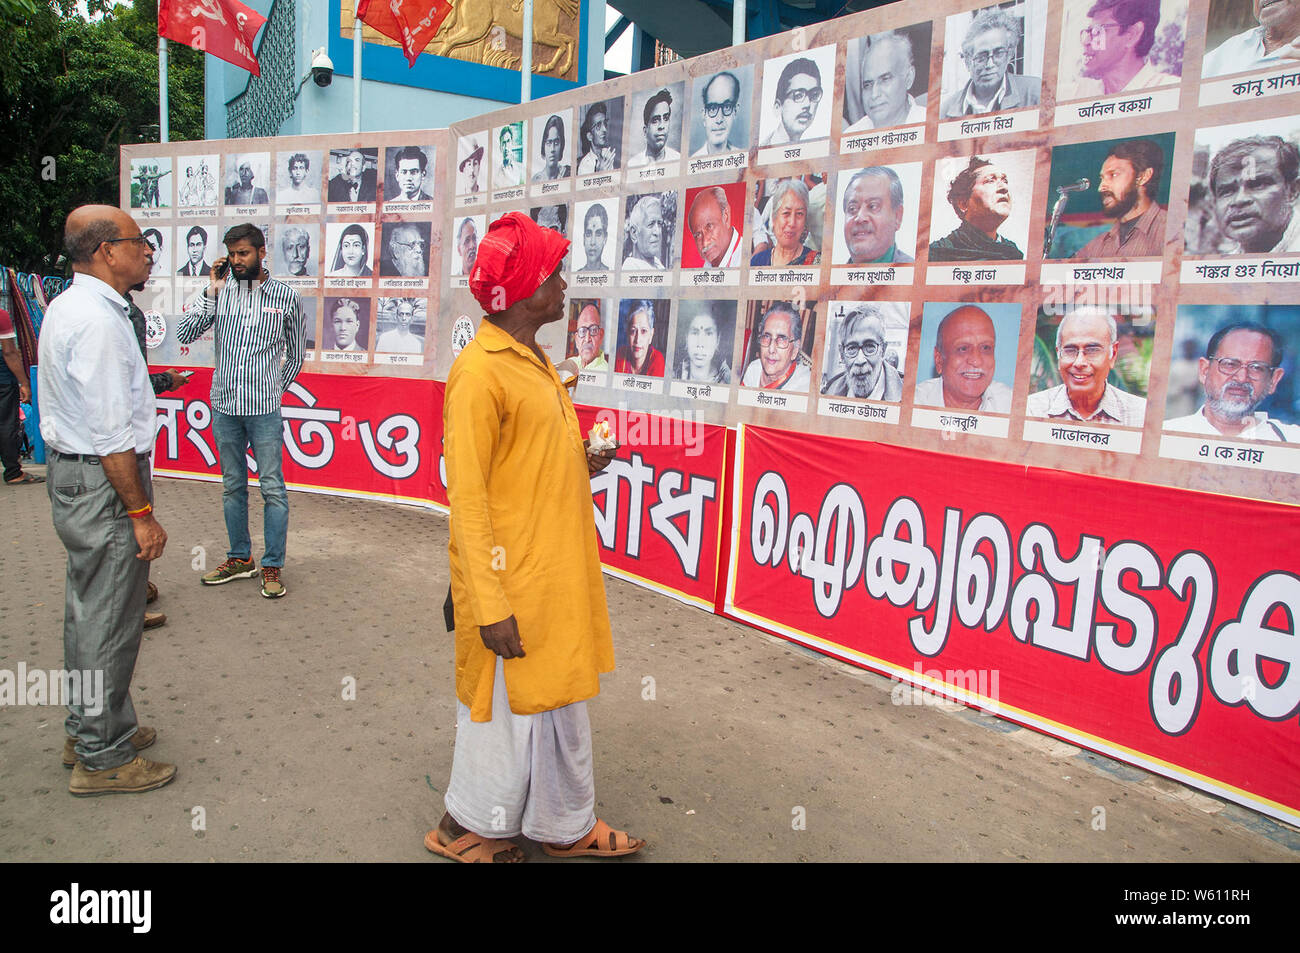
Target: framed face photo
(400,325)
(298,177)
(159,238)
(469,229)
(469,164)
(196,181)
(347,324)
(655,132)
(868,224)
(967,357)
(408,174)
(508,155)
(788,216)
(981,207)
(554,217)
(706,334)
(649,225)
(247,176)
(598,220)
(151,183)
(886,79)
(405,249)
(586,341)
(796,97)
(1245,184)
(553,146)
(350,249)
(200,247)
(1113,47)
(778,346)
(642,336)
(353,175)
(717,111)
(296,250)
(713,225)
(600,134)
(865,350)
(993,59)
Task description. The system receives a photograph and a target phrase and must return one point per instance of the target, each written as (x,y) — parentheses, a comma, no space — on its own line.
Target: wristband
(141,512)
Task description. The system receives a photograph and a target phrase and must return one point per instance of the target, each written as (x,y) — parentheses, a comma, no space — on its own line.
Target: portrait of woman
(352,256)
(703,350)
(788,209)
(553,165)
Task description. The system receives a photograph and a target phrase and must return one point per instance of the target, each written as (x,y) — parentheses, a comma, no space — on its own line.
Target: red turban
(514,258)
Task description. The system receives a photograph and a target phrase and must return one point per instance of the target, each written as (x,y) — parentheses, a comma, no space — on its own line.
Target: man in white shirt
(1087,345)
(888,72)
(1272,43)
(1116,41)
(299,191)
(97,418)
(965,357)
(709,222)
(1241,369)
(645,229)
(400,340)
(657,116)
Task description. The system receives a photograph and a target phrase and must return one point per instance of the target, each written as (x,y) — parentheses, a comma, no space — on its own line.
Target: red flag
(224,28)
(412,23)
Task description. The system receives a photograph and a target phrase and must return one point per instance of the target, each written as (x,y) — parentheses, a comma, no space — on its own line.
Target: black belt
(87,457)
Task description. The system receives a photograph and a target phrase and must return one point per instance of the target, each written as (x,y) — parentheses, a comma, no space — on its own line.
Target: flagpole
(162,89)
(356,68)
(526,55)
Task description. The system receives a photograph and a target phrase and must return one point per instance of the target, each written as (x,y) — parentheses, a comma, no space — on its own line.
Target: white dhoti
(523,774)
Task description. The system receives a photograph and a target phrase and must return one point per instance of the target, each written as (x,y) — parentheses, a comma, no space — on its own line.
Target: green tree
(72,91)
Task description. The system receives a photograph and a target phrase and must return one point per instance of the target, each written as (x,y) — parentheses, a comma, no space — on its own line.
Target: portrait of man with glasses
(406,250)
(987,61)
(1087,351)
(776,343)
(1239,372)
(721,119)
(794,112)
(1107,47)
(856,362)
(587,335)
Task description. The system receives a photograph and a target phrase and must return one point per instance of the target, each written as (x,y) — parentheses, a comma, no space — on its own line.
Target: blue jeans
(264,432)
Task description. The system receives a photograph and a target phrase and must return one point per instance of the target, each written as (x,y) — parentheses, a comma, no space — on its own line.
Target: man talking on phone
(259,340)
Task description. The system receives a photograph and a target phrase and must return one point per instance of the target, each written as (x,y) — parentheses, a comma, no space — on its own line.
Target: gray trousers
(103,615)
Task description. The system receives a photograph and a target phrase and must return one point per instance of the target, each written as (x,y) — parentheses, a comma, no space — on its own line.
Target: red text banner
(1154,625)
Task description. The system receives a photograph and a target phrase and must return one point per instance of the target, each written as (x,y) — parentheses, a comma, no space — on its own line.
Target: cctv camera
(322,68)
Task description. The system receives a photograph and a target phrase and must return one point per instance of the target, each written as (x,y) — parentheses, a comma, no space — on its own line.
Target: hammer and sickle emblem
(211,9)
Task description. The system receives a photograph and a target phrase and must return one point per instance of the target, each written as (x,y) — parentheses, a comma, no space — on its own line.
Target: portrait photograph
(587,336)
(649,227)
(717,111)
(295,252)
(159,238)
(508,155)
(967,356)
(1092,365)
(196,181)
(555,217)
(408,174)
(655,125)
(886,79)
(347,324)
(597,222)
(151,183)
(552,146)
(298,176)
(981,207)
(471,177)
(1244,188)
(600,136)
(400,325)
(1245,36)
(404,249)
(706,334)
(1109,182)
(795,104)
(1232,373)
(777,346)
(788,215)
(713,226)
(248,176)
(867,224)
(993,59)
(353,175)
(469,229)
(1114,47)
(200,246)
(350,249)
(642,336)
(865,350)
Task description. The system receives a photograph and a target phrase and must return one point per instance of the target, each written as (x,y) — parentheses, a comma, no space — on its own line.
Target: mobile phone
(223,269)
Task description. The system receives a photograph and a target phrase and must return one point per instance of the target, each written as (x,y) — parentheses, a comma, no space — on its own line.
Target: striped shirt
(260,336)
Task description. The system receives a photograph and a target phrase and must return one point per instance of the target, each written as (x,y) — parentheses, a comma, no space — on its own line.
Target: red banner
(1153,625)
(224,28)
(412,23)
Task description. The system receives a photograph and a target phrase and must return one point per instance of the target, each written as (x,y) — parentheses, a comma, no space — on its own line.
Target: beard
(1232,406)
(1122,205)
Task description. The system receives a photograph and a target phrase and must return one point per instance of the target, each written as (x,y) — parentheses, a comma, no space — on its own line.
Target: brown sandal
(601,841)
(469,848)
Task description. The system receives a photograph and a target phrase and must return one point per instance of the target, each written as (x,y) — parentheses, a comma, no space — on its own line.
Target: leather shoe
(142,738)
(130,778)
(153,594)
(154,619)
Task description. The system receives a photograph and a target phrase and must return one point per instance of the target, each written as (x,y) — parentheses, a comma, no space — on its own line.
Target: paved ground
(751,748)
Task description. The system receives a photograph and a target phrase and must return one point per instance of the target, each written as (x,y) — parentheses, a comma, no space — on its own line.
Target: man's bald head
(126,259)
(90,226)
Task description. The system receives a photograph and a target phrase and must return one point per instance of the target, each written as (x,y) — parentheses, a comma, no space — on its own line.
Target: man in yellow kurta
(532,627)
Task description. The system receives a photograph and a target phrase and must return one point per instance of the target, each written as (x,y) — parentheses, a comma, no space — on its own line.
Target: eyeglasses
(1091,34)
(801,96)
(1090,351)
(1257,370)
(712,109)
(590,331)
(780,340)
(869,348)
(983,58)
(134,238)
(419,244)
